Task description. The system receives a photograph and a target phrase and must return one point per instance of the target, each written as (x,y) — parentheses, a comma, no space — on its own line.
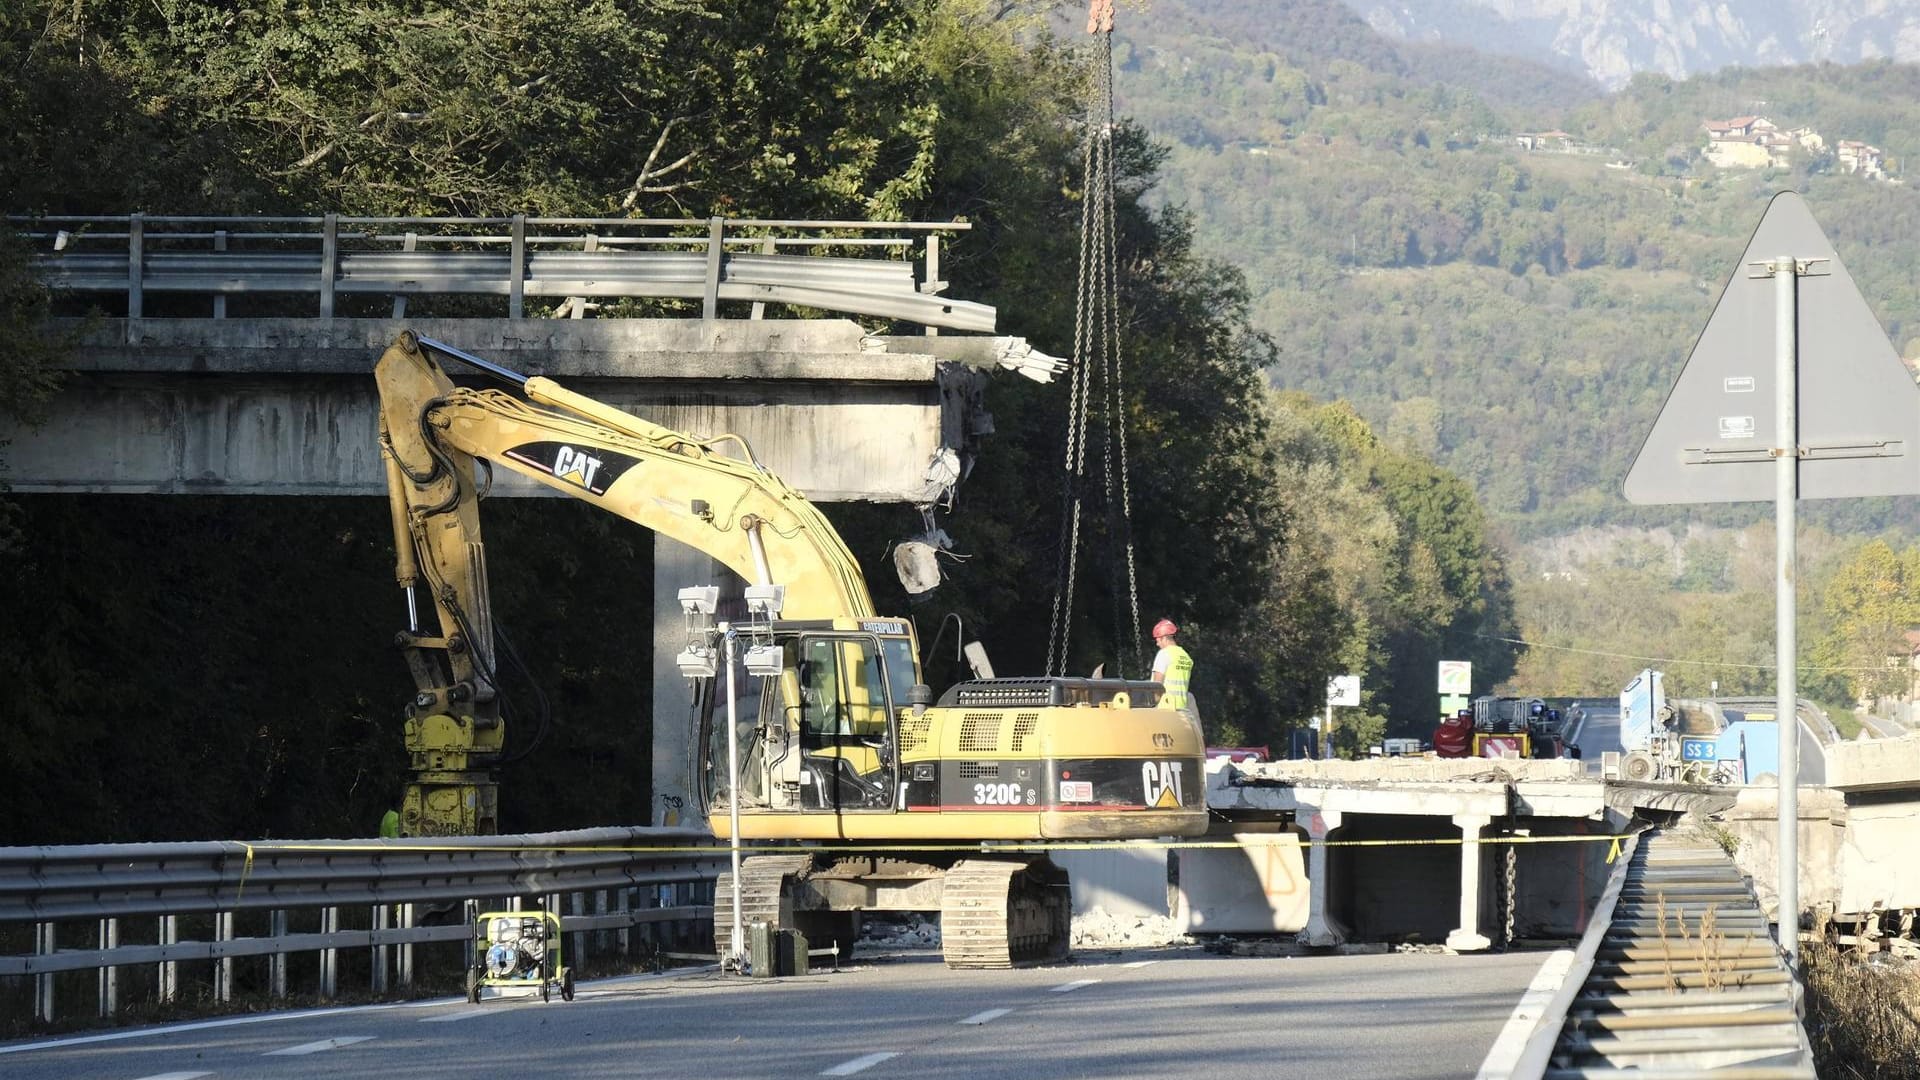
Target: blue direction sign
(1858,407)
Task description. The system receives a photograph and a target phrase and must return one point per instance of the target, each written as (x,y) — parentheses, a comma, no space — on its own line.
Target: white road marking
(302,1014)
(1068,988)
(986,1017)
(1513,1038)
(848,1068)
(177,1076)
(448,1018)
(1140,963)
(199,1025)
(315,1047)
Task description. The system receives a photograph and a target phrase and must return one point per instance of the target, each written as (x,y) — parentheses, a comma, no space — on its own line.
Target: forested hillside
(184,668)
(1519,315)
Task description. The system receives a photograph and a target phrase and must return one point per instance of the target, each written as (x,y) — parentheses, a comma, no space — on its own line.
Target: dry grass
(1863,1018)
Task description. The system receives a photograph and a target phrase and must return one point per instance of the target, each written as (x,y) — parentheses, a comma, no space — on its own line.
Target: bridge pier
(1467,936)
(1322,927)
(676,790)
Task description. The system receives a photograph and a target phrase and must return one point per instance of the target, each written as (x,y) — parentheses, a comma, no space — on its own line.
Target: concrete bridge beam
(288,406)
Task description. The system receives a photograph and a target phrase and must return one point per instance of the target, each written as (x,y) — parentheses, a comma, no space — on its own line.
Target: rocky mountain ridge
(1612,40)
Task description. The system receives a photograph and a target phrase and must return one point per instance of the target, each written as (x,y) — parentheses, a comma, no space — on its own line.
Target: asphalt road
(1171,1015)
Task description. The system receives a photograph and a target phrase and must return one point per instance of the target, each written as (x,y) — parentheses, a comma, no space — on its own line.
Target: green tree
(1872,605)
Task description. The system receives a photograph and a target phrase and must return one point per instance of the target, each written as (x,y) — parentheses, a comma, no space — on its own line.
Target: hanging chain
(1095,343)
(1129,633)
(1513,860)
(1066,563)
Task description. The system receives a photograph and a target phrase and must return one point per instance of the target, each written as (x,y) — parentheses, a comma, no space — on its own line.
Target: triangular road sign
(1859,410)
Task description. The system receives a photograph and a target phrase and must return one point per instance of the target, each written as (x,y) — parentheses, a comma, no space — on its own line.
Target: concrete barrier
(1260,887)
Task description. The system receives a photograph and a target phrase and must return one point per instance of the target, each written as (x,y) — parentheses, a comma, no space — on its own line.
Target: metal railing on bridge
(611,883)
(573,260)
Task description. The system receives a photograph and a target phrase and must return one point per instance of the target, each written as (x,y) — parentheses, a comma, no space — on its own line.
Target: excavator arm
(433,432)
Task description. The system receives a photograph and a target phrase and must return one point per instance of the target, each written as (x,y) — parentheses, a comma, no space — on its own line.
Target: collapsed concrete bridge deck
(1471,852)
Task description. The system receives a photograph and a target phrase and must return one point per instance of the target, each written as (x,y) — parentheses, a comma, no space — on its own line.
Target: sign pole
(1787,715)
(1326,734)
(737,950)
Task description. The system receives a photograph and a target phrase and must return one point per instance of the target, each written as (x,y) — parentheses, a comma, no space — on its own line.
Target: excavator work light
(696,662)
(766,600)
(700,599)
(763,660)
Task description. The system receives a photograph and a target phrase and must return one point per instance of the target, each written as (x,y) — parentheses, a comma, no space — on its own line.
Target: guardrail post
(377,979)
(577,951)
(329,259)
(400,299)
(933,286)
(136,266)
(220,299)
(109,977)
(517,269)
(403,956)
(223,967)
(600,937)
(623,903)
(169,969)
(43,984)
(710,305)
(277,963)
(767,247)
(330,956)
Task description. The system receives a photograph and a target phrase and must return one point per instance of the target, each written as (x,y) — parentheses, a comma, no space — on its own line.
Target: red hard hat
(1164,628)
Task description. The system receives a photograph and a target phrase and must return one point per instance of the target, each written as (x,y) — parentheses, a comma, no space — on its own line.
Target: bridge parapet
(363,262)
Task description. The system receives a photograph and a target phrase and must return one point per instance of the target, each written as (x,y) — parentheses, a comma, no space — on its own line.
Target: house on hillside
(1544,140)
(1750,142)
(1860,159)
(1738,129)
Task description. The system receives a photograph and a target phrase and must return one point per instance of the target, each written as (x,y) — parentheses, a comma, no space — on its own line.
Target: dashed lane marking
(334,1043)
(1068,988)
(1140,963)
(448,1018)
(985,1017)
(177,1076)
(848,1068)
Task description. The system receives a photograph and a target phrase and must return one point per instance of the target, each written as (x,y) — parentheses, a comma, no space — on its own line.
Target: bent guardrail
(657,881)
(334,256)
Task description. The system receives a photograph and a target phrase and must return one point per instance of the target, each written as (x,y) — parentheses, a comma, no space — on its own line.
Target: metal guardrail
(637,878)
(1677,976)
(330,256)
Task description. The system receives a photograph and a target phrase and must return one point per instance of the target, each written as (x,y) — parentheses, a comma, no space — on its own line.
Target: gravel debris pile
(1098,929)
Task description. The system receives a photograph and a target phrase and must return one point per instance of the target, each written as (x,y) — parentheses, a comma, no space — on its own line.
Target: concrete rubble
(1097,929)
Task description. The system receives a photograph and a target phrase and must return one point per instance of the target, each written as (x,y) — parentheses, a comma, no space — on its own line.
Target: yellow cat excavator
(894,802)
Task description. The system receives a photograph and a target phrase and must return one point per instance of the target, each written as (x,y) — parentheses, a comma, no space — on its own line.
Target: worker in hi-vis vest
(1172,666)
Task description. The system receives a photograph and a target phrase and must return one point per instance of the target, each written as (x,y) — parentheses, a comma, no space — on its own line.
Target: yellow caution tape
(976,846)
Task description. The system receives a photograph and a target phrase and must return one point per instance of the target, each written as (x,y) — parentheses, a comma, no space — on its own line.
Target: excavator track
(1002,913)
(765,895)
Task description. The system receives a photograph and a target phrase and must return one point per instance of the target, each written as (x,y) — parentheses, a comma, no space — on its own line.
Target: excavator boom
(434,433)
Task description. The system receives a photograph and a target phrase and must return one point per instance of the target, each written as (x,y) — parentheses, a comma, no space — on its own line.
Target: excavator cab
(821,736)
